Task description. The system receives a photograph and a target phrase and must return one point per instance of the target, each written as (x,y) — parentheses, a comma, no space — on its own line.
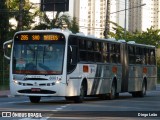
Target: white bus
(58,63)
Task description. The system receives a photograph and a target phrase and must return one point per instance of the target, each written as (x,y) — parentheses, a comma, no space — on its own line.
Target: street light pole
(125,19)
(106,31)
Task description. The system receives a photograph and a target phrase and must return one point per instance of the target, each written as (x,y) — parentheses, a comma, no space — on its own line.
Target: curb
(5,93)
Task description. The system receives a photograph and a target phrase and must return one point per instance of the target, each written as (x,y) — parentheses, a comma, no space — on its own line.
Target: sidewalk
(6,93)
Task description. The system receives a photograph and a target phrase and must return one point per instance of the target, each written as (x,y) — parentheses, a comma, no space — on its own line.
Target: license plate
(35,89)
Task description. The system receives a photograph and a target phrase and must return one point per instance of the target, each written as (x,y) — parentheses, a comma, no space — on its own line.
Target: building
(91,15)
(143,14)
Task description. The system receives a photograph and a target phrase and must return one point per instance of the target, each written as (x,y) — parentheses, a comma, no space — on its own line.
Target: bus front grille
(29,91)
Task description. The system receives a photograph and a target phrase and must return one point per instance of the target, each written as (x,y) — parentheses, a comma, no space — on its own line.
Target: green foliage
(74,26)
(4,22)
(149,37)
(4,26)
(45,22)
(60,21)
(27,16)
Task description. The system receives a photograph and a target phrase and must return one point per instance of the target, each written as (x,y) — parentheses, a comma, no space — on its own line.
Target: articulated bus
(58,63)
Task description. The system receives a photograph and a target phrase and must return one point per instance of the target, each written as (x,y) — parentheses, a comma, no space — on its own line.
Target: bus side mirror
(7,49)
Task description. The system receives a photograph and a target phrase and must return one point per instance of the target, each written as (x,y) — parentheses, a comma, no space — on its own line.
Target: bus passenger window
(114,51)
(152,53)
(71,58)
(89,45)
(131,52)
(82,44)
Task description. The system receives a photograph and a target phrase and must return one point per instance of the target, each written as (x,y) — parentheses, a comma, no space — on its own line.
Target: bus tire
(142,93)
(80,98)
(69,98)
(134,94)
(112,94)
(34,99)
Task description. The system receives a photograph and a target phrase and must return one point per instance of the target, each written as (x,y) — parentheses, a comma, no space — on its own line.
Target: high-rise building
(144,14)
(91,15)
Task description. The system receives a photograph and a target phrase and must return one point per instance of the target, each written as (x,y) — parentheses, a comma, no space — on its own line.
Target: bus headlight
(58,80)
(15,82)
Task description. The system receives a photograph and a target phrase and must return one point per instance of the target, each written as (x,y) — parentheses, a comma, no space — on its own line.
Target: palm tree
(63,21)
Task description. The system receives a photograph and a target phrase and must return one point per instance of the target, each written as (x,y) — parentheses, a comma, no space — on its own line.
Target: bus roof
(137,44)
(67,33)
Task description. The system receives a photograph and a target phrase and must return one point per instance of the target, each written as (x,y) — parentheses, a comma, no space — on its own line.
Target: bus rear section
(142,69)
(139,72)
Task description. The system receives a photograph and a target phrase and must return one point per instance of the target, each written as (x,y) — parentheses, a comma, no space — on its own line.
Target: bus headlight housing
(15,82)
(58,80)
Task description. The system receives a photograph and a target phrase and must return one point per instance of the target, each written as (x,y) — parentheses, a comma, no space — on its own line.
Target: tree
(4,22)
(74,26)
(63,21)
(27,16)
(4,25)
(149,37)
(45,22)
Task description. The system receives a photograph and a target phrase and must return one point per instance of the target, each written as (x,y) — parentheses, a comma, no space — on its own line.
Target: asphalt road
(125,107)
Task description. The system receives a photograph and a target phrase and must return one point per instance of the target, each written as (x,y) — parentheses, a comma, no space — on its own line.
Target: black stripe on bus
(96,80)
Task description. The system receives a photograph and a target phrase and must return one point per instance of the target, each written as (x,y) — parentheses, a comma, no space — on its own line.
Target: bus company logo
(6,114)
(36,84)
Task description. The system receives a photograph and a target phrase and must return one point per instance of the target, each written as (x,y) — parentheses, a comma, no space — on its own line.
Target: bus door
(124,61)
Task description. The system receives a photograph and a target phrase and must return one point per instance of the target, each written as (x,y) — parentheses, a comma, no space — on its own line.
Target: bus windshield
(41,58)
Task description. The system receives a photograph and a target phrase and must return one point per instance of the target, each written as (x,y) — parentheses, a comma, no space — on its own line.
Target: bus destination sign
(39,37)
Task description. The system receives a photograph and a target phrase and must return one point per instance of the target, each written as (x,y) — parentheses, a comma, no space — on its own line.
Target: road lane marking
(60,108)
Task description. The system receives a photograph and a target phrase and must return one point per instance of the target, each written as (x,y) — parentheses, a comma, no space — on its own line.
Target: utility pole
(125,19)
(20,15)
(107,27)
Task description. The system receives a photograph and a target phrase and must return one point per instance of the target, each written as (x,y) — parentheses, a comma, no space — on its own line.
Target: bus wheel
(80,98)
(142,93)
(69,98)
(112,94)
(34,99)
(134,94)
